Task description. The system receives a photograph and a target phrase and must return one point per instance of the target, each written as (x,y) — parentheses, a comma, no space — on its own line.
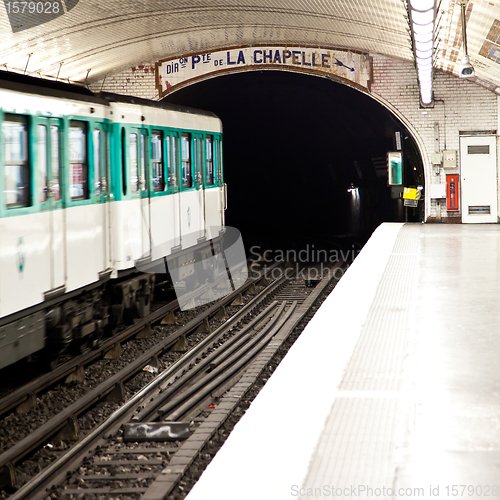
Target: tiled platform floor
(392,390)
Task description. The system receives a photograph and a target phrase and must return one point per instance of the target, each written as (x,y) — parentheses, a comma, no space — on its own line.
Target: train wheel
(49,362)
(79,346)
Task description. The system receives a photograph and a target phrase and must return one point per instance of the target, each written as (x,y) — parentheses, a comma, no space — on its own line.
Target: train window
(216,159)
(78,166)
(100,160)
(168,159)
(195,160)
(17,176)
(219,161)
(55,189)
(124,162)
(48,170)
(42,162)
(198,152)
(97,161)
(187,180)
(142,174)
(134,166)
(173,163)
(209,144)
(105,161)
(157,159)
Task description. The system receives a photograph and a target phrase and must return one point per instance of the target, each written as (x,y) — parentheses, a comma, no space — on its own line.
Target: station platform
(393,388)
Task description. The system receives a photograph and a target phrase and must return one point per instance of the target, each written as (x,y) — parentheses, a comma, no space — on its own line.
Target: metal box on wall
(449,158)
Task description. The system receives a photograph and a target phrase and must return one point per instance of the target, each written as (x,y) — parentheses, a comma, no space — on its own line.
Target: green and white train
(90,186)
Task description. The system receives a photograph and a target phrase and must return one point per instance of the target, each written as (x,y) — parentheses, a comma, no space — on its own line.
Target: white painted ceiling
(94,38)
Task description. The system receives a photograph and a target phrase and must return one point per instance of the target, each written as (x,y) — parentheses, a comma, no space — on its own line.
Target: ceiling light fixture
(423,38)
(422,17)
(422,4)
(424,46)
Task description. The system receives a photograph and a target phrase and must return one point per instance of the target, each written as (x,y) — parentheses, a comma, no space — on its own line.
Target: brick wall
(138,81)
(460,105)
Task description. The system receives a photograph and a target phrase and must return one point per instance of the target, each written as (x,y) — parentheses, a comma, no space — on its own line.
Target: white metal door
(145,192)
(174,182)
(200,184)
(101,177)
(51,202)
(478,165)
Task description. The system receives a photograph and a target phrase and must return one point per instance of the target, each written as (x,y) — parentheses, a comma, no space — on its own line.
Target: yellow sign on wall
(412,194)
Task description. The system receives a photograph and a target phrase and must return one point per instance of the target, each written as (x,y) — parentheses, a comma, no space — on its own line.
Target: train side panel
(214,207)
(86,234)
(24,261)
(192,221)
(165,229)
(128,226)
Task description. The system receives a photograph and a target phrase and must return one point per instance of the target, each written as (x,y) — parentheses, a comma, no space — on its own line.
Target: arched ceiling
(94,38)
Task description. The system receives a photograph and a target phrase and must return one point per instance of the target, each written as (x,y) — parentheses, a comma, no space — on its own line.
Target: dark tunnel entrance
(305,157)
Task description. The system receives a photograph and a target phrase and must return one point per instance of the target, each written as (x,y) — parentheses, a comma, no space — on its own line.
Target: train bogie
(21,338)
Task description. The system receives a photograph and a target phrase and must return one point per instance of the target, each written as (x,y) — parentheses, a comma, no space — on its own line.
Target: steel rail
(228,368)
(218,356)
(43,382)
(10,457)
(163,486)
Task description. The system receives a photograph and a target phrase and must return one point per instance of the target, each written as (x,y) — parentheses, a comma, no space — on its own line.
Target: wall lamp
(422,16)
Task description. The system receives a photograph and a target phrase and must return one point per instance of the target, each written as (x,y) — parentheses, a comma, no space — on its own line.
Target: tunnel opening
(305,157)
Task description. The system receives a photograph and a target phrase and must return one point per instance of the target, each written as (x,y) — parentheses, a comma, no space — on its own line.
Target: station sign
(352,67)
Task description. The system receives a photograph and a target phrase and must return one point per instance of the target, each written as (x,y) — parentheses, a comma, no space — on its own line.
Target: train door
(173,186)
(140,223)
(51,201)
(101,179)
(145,192)
(198,147)
(187,200)
(220,179)
(213,187)
(478,165)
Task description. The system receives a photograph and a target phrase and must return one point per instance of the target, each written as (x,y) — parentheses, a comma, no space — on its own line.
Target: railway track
(64,424)
(123,453)
(23,399)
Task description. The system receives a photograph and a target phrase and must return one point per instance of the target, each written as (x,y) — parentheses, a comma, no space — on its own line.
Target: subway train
(92,188)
